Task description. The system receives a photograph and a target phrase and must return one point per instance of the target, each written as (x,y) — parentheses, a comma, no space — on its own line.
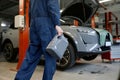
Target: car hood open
(82,10)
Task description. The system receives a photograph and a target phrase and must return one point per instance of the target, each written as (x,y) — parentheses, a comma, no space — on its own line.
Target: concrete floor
(82,70)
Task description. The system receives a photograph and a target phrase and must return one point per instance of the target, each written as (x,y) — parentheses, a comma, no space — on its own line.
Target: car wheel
(8,52)
(68,59)
(90,57)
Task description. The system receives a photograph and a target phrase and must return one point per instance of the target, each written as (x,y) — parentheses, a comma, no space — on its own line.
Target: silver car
(9,44)
(84,42)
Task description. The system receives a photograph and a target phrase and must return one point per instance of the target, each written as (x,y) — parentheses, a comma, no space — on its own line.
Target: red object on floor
(108,56)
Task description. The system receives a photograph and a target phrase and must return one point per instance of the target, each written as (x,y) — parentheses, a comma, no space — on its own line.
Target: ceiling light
(3,24)
(102,1)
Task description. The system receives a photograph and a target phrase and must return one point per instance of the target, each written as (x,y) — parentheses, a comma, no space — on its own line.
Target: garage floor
(82,70)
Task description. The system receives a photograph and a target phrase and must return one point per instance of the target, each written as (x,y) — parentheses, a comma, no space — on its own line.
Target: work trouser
(41,33)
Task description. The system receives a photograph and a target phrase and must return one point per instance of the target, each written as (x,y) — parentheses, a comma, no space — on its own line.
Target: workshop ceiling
(8,8)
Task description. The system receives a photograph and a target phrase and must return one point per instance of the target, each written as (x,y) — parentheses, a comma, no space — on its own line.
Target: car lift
(23,32)
(109,23)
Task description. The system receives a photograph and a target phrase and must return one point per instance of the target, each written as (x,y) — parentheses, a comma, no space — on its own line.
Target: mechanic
(44,25)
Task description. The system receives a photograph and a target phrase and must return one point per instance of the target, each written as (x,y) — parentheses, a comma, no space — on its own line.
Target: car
(84,42)
(10,39)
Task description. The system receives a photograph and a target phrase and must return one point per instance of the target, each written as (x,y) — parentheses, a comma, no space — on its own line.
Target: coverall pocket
(43,27)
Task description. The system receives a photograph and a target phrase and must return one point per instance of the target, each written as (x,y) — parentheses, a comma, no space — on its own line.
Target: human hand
(59,30)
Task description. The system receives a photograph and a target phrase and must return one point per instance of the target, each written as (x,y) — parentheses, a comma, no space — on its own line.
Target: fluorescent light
(102,1)
(3,24)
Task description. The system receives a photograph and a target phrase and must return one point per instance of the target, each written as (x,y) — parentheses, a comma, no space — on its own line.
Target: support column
(23,33)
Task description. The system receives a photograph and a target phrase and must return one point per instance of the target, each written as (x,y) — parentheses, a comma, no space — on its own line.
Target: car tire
(68,59)
(9,52)
(89,57)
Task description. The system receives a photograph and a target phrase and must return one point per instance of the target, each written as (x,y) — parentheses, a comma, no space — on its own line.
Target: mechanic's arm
(54,13)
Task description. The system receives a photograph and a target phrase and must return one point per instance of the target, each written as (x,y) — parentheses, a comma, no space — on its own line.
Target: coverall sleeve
(54,11)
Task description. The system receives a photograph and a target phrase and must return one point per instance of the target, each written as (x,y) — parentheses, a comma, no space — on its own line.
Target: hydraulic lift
(24,31)
(109,23)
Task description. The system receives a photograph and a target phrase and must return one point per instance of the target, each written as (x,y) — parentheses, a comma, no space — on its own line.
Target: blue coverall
(44,16)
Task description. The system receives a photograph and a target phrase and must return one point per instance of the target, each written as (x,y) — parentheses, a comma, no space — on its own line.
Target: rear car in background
(10,37)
